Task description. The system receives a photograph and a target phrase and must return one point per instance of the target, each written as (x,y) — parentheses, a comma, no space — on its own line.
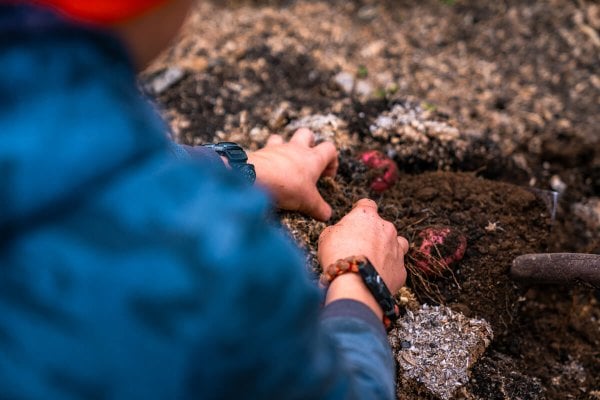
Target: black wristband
(379,290)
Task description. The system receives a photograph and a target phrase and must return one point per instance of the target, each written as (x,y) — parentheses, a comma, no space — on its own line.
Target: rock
(164,80)
(373,49)
(367,13)
(557,184)
(444,346)
(345,81)
(593,16)
(326,128)
(589,212)
(280,116)
(363,89)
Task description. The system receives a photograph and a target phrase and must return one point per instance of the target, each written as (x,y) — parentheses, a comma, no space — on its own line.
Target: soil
(478,104)
(545,343)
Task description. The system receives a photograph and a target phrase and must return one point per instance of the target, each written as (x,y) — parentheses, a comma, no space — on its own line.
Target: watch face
(235,154)
(237,159)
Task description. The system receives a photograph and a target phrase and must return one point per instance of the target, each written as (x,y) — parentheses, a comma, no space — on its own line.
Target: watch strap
(237,158)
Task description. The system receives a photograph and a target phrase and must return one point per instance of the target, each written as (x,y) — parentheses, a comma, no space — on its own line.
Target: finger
(274,139)
(389,228)
(365,203)
(403,243)
(329,158)
(317,207)
(303,136)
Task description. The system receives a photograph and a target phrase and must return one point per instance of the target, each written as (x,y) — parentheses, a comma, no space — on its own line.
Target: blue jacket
(126,273)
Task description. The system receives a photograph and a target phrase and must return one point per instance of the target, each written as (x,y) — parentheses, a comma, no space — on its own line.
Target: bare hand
(290,172)
(363,232)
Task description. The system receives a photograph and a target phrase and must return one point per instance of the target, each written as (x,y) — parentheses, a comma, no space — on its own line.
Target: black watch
(237,158)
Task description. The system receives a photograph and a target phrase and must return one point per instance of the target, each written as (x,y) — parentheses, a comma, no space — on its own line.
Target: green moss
(428,106)
(362,72)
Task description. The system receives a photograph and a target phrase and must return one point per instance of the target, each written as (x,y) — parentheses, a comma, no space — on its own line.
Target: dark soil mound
(544,343)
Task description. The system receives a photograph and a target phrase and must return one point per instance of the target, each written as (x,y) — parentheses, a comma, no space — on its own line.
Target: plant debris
(435,347)
(410,131)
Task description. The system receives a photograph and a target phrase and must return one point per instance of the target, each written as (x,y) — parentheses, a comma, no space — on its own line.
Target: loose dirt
(476,102)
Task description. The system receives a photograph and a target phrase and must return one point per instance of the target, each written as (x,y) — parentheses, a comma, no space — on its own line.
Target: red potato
(437,248)
(377,160)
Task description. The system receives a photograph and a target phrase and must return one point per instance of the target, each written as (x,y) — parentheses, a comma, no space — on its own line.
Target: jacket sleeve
(197,153)
(167,281)
(360,336)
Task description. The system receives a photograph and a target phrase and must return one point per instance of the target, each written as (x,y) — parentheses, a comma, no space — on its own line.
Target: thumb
(316,206)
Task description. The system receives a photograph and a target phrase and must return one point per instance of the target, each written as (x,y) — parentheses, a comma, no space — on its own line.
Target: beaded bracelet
(373,281)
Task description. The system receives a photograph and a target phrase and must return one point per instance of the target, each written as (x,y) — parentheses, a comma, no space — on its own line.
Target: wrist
(351,286)
(370,280)
(255,158)
(225,161)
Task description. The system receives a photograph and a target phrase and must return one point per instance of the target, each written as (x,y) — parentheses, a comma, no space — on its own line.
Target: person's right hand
(363,232)
(290,171)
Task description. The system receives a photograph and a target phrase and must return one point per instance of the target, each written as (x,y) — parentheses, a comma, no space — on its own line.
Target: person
(130,273)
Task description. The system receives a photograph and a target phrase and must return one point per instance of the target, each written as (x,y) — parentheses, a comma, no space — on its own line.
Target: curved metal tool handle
(557,268)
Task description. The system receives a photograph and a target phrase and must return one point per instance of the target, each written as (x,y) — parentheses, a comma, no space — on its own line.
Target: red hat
(101,11)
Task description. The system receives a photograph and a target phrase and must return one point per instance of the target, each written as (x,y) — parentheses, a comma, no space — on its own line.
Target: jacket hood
(70,113)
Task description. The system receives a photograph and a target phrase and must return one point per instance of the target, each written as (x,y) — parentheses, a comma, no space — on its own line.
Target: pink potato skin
(376,159)
(438,248)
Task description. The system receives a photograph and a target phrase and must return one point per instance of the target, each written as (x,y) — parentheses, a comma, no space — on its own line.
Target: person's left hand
(290,171)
